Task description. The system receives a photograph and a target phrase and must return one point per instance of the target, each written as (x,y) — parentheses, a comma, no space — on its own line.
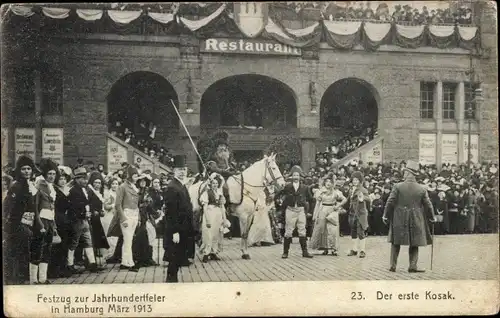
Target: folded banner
(194,25)
(123,17)
(89,14)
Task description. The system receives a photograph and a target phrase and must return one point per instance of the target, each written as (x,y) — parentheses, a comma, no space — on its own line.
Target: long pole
(187,133)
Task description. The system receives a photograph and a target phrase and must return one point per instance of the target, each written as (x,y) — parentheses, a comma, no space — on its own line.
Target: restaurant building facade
(65,82)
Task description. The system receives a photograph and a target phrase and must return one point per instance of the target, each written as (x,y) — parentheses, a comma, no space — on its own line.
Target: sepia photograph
(246,152)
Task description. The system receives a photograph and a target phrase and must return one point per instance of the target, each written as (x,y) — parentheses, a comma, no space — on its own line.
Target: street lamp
(478,98)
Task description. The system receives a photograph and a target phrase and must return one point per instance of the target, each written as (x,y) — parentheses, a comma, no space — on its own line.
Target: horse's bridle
(266,184)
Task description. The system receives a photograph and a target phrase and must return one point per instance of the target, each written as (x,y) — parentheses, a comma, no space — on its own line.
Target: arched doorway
(254,108)
(250,100)
(141,100)
(349,104)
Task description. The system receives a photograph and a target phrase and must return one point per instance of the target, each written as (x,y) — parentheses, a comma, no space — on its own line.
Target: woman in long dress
(96,198)
(214,218)
(109,211)
(326,234)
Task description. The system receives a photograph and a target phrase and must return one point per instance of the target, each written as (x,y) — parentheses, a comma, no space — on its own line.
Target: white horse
(244,191)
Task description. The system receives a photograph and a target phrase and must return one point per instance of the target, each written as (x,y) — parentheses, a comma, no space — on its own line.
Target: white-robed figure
(260,232)
(326,232)
(214,222)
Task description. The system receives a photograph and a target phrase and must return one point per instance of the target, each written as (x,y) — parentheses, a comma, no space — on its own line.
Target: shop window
(427,100)
(469,100)
(52,85)
(24,90)
(449,100)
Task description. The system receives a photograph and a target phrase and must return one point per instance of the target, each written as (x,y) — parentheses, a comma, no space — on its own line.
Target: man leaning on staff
(408,210)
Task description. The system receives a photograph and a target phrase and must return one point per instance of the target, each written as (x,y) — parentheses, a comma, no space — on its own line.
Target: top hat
(80,172)
(179,161)
(412,166)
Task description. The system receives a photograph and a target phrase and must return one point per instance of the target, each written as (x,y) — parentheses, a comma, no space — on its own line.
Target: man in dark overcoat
(408,210)
(179,230)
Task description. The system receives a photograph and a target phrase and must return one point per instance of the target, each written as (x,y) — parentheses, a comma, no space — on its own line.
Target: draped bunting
(162,17)
(376,32)
(56,13)
(467,33)
(194,25)
(218,18)
(342,28)
(442,30)
(89,14)
(298,38)
(22,11)
(123,17)
(410,31)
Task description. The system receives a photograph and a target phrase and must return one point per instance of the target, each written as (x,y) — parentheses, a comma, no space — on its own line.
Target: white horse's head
(272,173)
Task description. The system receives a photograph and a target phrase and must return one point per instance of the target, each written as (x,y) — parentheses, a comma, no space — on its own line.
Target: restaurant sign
(248,46)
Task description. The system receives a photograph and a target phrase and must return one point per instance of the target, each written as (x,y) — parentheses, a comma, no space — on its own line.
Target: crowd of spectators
(399,13)
(143,139)
(464,202)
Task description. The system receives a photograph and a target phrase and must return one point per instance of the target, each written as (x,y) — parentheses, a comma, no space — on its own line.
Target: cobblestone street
(456,257)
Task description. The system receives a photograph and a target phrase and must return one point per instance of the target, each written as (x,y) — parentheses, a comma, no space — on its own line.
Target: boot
(354,250)
(42,273)
(205,259)
(362,245)
(33,274)
(286,246)
(303,245)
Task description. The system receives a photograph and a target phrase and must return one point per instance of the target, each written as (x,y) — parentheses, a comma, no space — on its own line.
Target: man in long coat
(408,210)
(179,231)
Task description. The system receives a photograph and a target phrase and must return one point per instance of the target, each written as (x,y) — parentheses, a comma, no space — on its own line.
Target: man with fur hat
(79,215)
(359,205)
(221,162)
(295,203)
(19,215)
(179,241)
(407,210)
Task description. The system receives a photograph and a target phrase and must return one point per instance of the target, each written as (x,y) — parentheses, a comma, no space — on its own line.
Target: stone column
(308,153)
(460,115)
(438,116)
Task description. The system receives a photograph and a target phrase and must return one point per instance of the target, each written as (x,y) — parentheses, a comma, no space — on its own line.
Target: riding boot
(33,274)
(303,245)
(286,246)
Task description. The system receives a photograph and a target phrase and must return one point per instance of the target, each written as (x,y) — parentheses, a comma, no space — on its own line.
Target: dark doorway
(349,104)
(252,101)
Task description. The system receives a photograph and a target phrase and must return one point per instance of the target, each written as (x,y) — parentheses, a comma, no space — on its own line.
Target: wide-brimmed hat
(413,167)
(179,161)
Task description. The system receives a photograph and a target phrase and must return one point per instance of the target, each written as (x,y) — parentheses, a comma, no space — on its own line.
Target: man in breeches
(295,203)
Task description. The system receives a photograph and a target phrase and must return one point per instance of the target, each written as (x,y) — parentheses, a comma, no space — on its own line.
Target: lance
(189,136)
